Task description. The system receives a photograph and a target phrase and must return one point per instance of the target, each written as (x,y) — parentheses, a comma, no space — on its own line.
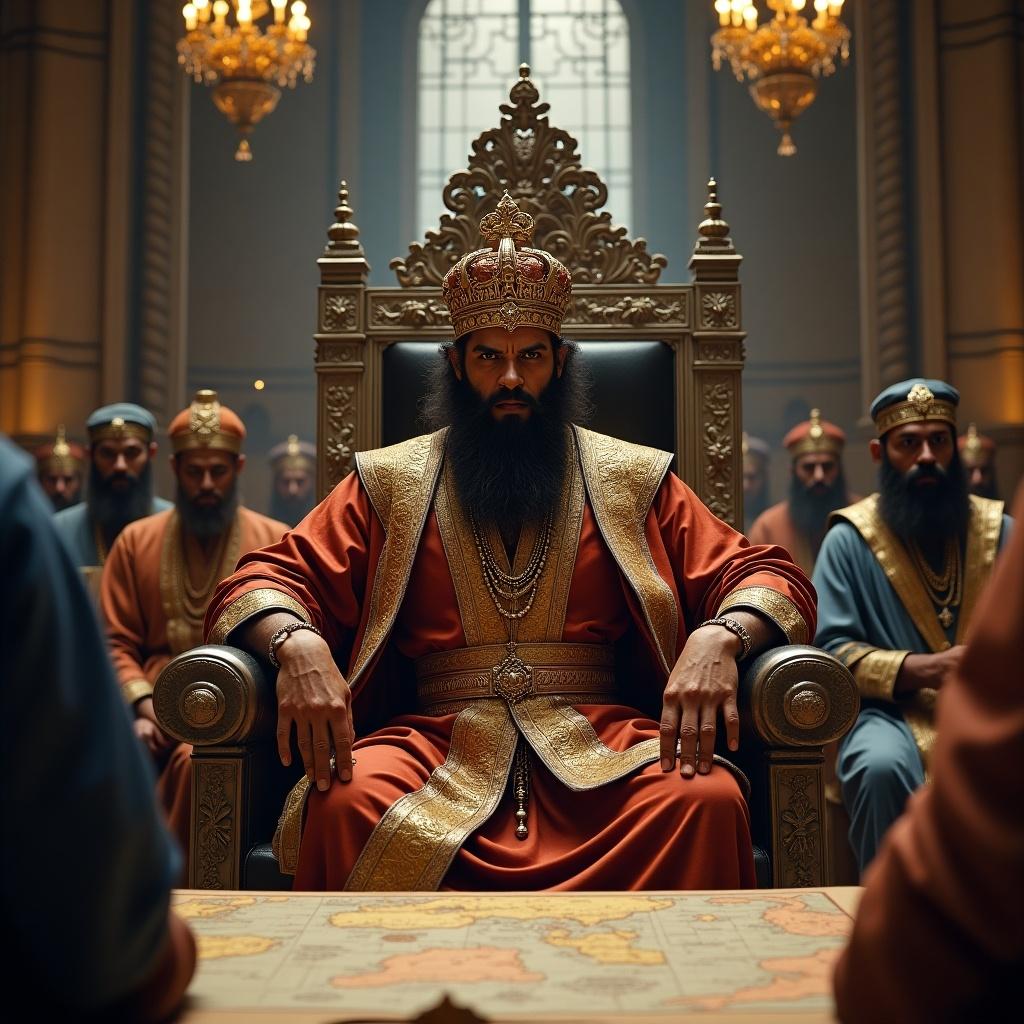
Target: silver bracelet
(282,634)
(734,627)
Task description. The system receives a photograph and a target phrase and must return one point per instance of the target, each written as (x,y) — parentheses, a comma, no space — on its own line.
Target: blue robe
(872,612)
(76,529)
(86,864)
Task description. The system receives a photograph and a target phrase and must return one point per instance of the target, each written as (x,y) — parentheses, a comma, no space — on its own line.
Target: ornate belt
(582,673)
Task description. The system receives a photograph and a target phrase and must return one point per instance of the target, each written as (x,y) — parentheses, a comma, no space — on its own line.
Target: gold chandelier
(244,63)
(783,58)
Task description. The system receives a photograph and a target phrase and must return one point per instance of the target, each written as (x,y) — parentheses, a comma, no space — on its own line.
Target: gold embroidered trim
(400,481)
(919,714)
(875,673)
(779,608)
(135,690)
(622,480)
(252,603)
(898,567)
(289,828)
(983,531)
(570,748)
(414,843)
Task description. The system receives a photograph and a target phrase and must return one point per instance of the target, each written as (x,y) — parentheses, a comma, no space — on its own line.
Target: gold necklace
(512,677)
(944,588)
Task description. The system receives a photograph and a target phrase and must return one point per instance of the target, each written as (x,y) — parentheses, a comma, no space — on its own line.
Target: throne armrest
(798,696)
(222,701)
(215,696)
(793,701)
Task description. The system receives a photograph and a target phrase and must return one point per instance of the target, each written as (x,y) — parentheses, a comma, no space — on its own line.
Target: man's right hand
(928,671)
(313,696)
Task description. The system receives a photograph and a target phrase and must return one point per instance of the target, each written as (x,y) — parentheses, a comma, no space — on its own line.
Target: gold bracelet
(282,634)
(734,627)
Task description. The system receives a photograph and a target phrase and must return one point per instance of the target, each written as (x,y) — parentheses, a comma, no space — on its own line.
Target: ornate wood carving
(629,311)
(215,848)
(339,352)
(718,399)
(718,310)
(339,444)
(339,312)
(720,351)
(426,312)
(541,169)
(798,842)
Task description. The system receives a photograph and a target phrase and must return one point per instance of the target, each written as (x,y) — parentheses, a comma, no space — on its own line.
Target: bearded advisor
(897,579)
(162,571)
(120,486)
(515,600)
(817,488)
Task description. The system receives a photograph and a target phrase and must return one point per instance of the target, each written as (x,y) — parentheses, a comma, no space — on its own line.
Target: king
(505,647)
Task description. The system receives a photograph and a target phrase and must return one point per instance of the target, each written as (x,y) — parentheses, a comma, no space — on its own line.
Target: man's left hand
(703,682)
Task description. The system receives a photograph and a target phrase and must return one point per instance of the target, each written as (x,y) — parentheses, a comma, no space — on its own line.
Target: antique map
(518,956)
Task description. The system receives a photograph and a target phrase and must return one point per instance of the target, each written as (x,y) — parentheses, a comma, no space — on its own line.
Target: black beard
(926,515)
(206,523)
(290,510)
(810,509)
(113,510)
(507,472)
(62,501)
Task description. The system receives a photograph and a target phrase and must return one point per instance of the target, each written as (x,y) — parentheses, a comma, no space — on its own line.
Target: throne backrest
(665,359)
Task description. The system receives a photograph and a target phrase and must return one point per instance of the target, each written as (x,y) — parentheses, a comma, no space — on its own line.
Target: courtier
(520,607)
(817,488)
(949,879)
(978,452)
(59,467)
(293,471)
(122,447)
(756,456)
(897,577)
(162,571)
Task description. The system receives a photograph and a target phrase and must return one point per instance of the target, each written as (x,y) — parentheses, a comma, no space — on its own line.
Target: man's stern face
(817,472)
(120,462)
(921,452)
(509,370)
(295,484)
(62,489)
(206,476)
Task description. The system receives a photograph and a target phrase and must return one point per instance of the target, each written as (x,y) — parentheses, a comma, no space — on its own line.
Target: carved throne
(670,355)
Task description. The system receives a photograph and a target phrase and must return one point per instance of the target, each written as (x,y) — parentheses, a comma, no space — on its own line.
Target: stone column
(980,55)
(53,123)
(92,211)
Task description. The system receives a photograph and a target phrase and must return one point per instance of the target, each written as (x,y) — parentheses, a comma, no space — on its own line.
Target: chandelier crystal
(784,57)
(246,65)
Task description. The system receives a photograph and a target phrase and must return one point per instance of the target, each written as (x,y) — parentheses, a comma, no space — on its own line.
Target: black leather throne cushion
(633,389)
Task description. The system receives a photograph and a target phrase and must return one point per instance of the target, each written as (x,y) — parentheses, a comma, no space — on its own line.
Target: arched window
(469,53)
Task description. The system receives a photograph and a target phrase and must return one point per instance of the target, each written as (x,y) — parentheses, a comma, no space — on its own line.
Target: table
(637,957)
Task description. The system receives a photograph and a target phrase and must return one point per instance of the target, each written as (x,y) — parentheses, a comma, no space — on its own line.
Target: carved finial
(61,449)
(507,221)
(343,234)
(713,230)
(524,70)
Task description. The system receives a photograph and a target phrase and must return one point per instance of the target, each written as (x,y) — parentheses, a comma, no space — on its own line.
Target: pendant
(945,618)
(512,678)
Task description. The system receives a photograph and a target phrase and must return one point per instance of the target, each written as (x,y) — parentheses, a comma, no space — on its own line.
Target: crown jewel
(204,414)
(920,396)
(508,285)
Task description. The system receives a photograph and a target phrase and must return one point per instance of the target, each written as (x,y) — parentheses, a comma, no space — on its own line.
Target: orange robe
(649,830)
(939,934)
(134,613)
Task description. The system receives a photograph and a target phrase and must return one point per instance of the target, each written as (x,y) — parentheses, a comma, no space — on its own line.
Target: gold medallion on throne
(508,285)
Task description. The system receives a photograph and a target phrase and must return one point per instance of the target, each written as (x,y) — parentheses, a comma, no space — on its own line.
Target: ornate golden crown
(508,285)
(206,424)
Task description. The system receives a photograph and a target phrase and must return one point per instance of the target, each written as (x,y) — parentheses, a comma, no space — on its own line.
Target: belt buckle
(512,678)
